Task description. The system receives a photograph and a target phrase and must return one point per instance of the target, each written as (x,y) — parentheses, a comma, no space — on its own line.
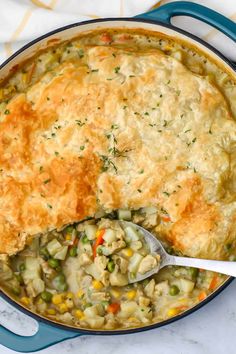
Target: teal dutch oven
(158,20)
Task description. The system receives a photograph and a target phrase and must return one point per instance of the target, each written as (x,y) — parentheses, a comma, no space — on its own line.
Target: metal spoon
(155,246)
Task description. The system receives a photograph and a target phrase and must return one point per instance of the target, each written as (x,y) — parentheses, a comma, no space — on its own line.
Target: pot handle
(184,8)
(45,337)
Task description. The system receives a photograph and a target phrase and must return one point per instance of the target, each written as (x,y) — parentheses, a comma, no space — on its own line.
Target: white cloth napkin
(24,20)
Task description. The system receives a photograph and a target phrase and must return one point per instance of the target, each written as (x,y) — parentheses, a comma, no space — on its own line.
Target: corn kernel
(51,311)
(25,78)
(63,308)
(115,293)
(40,301)
(172,312)
(127,252)
(68,237)
(25,300)
(69,295)
(131,294)
(57,299)
(97,285)
(79,314)
(80,293)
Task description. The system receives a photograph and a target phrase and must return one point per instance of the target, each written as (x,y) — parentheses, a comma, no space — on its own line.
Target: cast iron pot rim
(210,297)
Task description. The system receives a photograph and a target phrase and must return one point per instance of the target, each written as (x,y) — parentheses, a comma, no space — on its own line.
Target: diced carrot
(106,38)
(99,241)
(214,282)
(113,308)
(202,295)
(182,308)
(165,218)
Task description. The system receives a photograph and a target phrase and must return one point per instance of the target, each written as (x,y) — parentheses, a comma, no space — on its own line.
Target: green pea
(100,250)
(105,304)
(46,296)
(73,251)
(16,291)
(53,263)
(44,253)
(19,279)
(193,272)
(69,229)
(110,266)
(85,239)
(174,290)
(88,304)
(59,283)
(22,267)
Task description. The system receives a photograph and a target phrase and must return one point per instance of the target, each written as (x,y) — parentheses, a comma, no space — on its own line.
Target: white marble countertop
(210,330)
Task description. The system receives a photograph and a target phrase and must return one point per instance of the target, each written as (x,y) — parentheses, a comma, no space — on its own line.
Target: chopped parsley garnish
(56,153)
(49,206)
(117,69)
(94,70)
(41,168)
(166,193)
(146,114)
(81,53)
(7,111)
(139,190)
(107,162)
(141,171)
(47,181)
(82,147)
(48,98)
(99,107)
(188,130)
(178,92)
(114,126)
(194,139)
(165,123)
(124,107)
(79,123)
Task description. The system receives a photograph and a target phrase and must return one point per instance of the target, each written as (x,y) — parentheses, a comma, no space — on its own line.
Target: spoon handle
(224,267)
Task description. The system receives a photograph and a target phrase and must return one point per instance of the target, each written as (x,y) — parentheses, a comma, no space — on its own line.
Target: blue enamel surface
(184,8)
(46,336)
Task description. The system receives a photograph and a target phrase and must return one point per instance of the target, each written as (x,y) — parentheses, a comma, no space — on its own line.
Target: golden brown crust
(129,129)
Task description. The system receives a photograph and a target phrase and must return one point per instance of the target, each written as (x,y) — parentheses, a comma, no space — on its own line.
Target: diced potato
(53,247)
(131,234)
(144,314)
(118,279)
(186,285)
(32,269)
(162,288)
(91,311)
(95,322)
(149,288)
(128,308)
(109,236)
(90,231)
(143,301)
(93,270)
(86,247)
(124,214)
(134,262)
(61,254)
(38,285)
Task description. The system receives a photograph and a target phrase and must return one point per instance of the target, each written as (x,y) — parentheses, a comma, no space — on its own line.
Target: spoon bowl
(156,248)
